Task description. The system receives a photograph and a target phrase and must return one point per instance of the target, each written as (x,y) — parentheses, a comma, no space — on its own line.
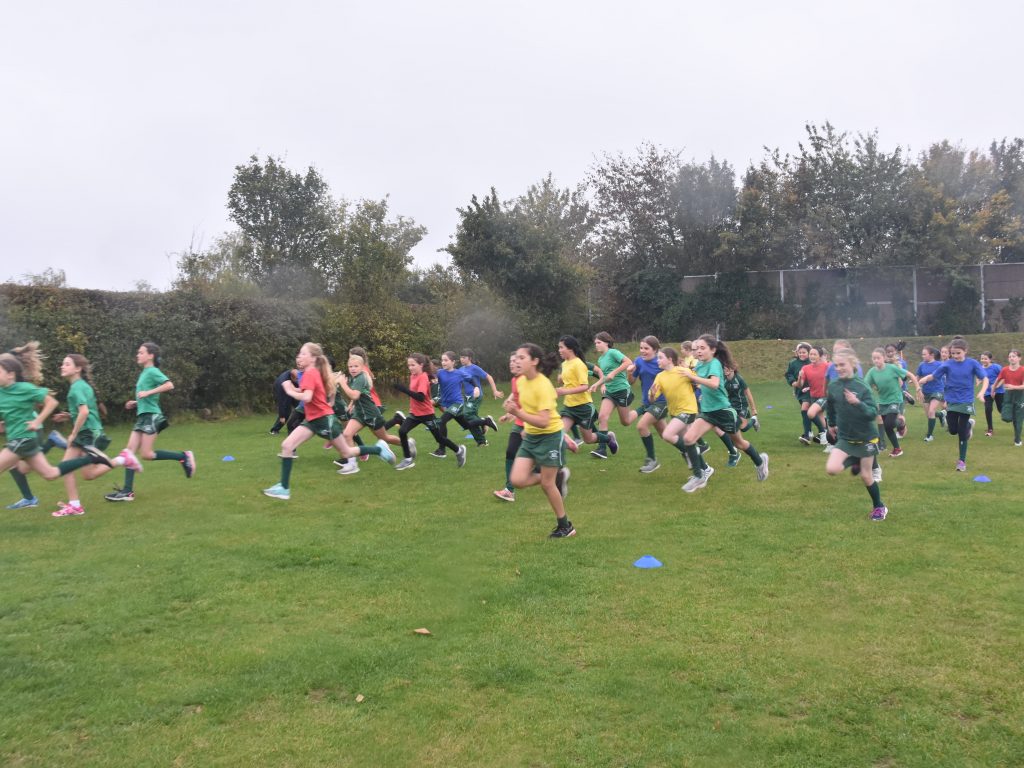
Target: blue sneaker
(613,444)
(57,439)
(277,491)
(24,503)
(386,454)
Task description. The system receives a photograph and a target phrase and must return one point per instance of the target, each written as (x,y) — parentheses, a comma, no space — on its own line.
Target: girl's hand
(510,405)
(35,425)
(130,405)
(142,394)
(851,397)
(506,417)
(60,418)
(498,394)
(593,387)
(631,368)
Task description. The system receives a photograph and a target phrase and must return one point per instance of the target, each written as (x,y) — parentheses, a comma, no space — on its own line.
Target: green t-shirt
(888,380)
(363,407)
(79,394)
(736,390)
(150,378)
(712,399)
(18,405)
(608,362)
(855,423)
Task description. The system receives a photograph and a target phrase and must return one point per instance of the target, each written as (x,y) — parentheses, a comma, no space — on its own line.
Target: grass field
(207,625)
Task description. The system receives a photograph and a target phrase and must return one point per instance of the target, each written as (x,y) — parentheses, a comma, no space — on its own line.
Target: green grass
(206,625)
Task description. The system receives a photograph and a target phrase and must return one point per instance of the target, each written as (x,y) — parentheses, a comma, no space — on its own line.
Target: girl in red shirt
(810,389)
(421,411)
(1012,379)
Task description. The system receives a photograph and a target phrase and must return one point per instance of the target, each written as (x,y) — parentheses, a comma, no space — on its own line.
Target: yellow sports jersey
(536,396)
(574,374)
(678,391)
(690,362)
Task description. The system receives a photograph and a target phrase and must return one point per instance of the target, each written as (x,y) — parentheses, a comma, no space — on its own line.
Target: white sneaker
(696,482)
(350,467)
(405,464)
(386,454)
(762,471)
(876,473)
(460,457)
(412,448)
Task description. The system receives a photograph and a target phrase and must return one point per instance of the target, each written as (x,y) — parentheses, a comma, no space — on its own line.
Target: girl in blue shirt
(994,394)
(961,373)
(652,414)
(932,391)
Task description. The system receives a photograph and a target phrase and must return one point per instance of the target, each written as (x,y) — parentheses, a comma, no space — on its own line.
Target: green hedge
(222,353)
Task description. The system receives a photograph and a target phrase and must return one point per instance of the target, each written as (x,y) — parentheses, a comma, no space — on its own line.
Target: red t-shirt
(373,390)
(420,383)
(1016,378)
(317,407)
(814,377)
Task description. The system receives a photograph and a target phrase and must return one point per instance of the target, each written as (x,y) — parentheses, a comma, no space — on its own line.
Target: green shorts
(87,438)
(455,410)
(582,415)
(545,450)
(965,408)
(621,399)
(858,450)
(658,411)
(742,413)
(804,397)
(935,396)
(820,402)
(884,409)
(24,447)
(369,417)
(724,419)
(328,427)
(471,408)
(686,418)
(150,423)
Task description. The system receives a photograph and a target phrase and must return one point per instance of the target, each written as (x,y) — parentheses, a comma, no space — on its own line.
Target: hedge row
(222,353)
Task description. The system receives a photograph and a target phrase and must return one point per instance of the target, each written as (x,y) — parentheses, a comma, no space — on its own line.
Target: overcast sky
(122,122)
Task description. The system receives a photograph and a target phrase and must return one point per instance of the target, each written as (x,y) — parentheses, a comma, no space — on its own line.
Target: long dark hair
(154,350)
(721,351)
(546,363)
(428,366)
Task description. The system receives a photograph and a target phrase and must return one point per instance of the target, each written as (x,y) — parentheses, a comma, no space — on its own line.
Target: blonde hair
(25,362)
(846,353)
(323,366)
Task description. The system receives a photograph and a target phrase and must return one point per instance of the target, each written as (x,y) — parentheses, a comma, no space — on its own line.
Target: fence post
(782,287)
(981,270)
(915,300)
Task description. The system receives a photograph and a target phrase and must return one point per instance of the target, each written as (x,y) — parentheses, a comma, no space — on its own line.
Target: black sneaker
(439,454)
(599,454)
(491,422)
(563,530)
(909,397)
(562,481)
(120,495)
(99,456)
(400,415)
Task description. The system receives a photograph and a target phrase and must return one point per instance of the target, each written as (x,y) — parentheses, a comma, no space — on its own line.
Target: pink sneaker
(571,444)
(131,461)
(365,457)
(505,494)
(68,510)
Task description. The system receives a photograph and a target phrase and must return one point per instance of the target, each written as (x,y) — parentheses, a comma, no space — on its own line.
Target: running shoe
(505,494)
(929,438)
(696,482)
(988,433)
(460,457)
(879,513)
(822,438)
(755,423)
(24,503)
(189,464)
(876,473)
(400,415)
(901,429)
(68,510)
(277,491)
(909,397)
(491,422)
(1018,444)
(942,417)
(439,453)
(599,454)
(613,444)
(57,439)
(961,466)
(120,494)
(805,439)
(96,453)
(412,449)
(405,464)
(562,481)
(563,530)
(734,459)
(348,467)
(650,465)
(703,447)
(386,454)
(762,471)
(895,453)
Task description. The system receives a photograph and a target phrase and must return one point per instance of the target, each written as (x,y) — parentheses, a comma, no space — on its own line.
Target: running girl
(994,394)
(150,421)
(453,401)
(19,399)
(961,373)
(851,420)
(887,379)
(364,410)
(741,399)
(1012,379)
(543,441)
(578,404)
(810,390)
(651,413)
(715,411)
(615,393)
(421,411)
(932,391)
(793,374)
(86,432)
(320,419)
(674,384)
(515,435)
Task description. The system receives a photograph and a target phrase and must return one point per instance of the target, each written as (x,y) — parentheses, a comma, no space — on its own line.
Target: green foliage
(959,312)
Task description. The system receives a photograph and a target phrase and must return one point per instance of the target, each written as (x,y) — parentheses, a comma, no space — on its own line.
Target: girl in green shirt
(616,393)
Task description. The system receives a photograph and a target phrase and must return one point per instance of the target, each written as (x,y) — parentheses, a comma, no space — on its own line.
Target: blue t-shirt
(646,371)
(451,385)
(992,372)
(936,385)
(477,377)
(960,379)
(830,372)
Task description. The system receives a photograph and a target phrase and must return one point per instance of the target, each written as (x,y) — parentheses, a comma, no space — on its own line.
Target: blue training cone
(983,479)
(228,458)
(647,561)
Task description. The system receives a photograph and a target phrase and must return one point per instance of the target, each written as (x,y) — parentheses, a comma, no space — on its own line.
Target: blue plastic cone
(769,407)
(983,479)
(647,561)
(228,458)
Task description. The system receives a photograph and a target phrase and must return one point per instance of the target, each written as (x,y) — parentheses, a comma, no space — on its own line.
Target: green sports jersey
(17,406)
(608,362)
(856,423)
(736,389)
(364,410)
(712,399)
(79,394)
(888,381)
(150,378)
(793,370)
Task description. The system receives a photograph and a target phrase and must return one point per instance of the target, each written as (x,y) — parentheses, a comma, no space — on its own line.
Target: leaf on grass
(360,698)
(422,631)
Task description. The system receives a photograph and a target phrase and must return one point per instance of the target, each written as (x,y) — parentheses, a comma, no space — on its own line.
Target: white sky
(122,122)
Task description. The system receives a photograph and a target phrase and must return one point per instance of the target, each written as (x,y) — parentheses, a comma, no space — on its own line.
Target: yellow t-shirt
(678,391)
(536,396)
(574,374)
